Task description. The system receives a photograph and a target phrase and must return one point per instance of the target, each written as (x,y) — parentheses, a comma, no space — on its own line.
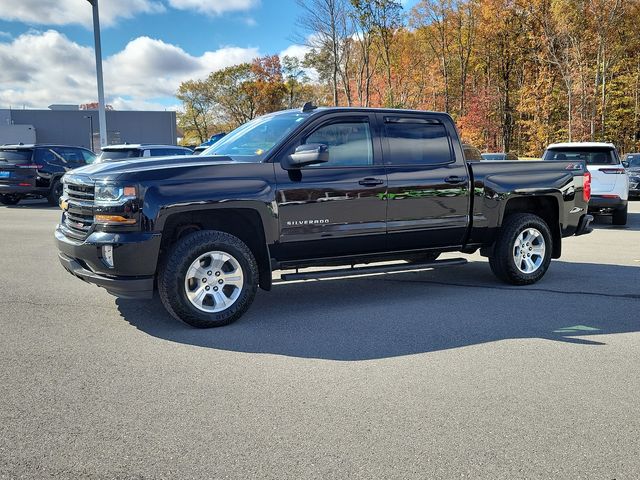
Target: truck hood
(111,170)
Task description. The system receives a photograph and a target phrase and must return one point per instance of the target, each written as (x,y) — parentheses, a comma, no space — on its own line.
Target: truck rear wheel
(522,252)
(209,279)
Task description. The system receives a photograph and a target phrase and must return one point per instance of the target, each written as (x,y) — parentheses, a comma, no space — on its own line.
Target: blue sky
(149,46)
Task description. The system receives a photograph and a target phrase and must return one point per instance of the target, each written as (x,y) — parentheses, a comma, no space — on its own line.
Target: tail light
(614,171)
(586,186)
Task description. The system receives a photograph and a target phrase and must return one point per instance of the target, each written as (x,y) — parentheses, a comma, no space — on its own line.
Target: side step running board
(393,268)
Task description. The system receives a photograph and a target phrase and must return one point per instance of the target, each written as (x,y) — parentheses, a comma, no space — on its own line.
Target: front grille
(82,192)
(79,222)
(78,218)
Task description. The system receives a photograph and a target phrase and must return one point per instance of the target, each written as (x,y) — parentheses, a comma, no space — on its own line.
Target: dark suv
(34,171)
(126,151)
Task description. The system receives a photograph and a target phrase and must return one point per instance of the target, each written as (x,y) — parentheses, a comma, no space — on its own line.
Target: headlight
(113,194)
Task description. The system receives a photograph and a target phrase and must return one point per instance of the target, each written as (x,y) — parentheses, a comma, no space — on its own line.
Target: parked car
(471,153)
(312,187)
(114,153)
(499,156)
(609,180)
(213,139)
(34,171)
(199,149)
(204,145)
(632,164)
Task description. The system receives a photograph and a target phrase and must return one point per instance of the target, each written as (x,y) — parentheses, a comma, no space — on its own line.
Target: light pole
(90,117)
(102,117)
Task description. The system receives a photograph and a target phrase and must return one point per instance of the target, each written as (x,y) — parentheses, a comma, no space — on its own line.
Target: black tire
(9,199)
(55,192)
(423,258)
(173,271)
(502,261)
(619,216)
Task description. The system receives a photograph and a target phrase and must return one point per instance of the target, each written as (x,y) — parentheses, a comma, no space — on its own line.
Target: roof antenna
(308,107)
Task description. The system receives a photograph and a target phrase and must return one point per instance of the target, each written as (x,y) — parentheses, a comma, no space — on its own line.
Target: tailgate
(602,182)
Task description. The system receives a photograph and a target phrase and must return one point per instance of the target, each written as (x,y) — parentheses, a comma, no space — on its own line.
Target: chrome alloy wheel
(528,250)
(214,281)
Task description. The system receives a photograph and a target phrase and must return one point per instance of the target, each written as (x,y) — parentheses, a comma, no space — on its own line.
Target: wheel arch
(546,207)
(243,223)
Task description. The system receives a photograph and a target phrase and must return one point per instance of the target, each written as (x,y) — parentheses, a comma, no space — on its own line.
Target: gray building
(68,125)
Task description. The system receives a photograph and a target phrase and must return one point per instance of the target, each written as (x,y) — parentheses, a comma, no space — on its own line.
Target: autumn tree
(198,110)
(325,26)
(514,74)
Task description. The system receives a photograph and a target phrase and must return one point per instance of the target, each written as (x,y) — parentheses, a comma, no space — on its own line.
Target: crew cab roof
(359,109)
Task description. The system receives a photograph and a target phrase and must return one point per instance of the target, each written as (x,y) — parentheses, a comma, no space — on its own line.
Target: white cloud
(150,67)
(214,7)
(120,103)
(64,12)
(41,68)
(297,51)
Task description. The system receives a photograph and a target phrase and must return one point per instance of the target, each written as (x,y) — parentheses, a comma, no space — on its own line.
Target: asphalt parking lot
(436,374)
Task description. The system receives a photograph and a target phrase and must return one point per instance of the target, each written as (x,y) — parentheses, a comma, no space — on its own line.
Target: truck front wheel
(522,252)
(209,279)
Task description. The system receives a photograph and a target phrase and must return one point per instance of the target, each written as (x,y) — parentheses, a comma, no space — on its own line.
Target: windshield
(634,160)
(15,156)
(494,156)
(590,155)
(252,141)
(119,154)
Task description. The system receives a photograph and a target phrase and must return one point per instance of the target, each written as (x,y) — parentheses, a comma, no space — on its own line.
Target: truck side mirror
(625,164)
(309,154)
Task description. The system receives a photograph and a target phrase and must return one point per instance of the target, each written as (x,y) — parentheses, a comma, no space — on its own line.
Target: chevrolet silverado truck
(378,190)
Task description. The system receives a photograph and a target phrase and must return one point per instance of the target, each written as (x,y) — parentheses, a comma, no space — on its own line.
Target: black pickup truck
(305,188)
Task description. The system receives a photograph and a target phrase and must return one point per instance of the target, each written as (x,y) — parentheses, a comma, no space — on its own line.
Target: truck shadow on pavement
(412,313)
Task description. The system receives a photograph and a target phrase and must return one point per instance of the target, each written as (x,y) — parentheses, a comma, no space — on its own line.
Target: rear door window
(70,157)
(415,141)
(46,156)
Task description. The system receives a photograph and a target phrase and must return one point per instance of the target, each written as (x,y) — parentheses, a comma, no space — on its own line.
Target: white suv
(609,180)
